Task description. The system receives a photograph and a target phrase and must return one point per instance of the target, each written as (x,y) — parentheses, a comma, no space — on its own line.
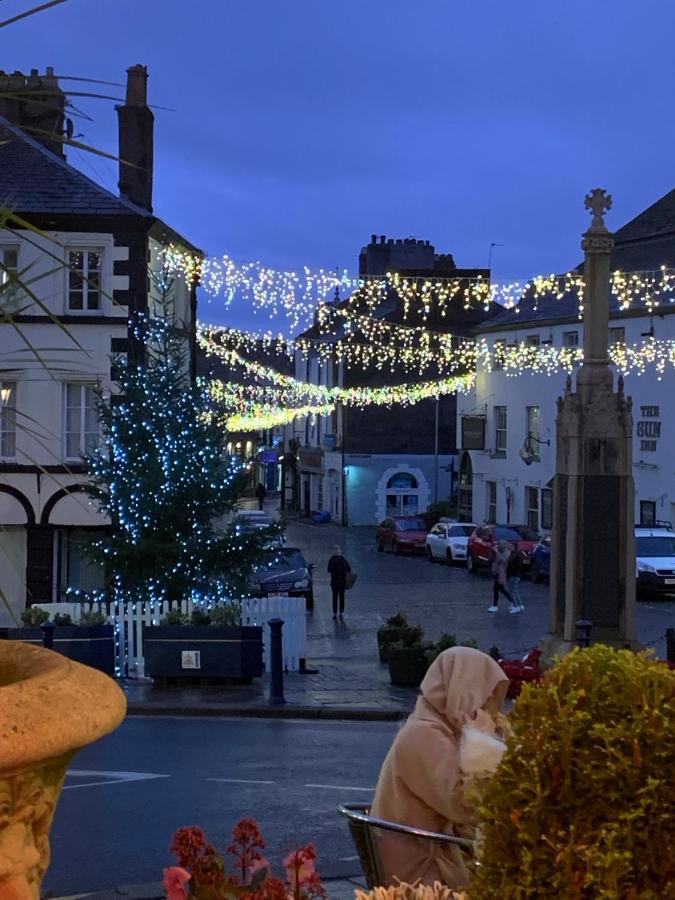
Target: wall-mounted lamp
(5,393)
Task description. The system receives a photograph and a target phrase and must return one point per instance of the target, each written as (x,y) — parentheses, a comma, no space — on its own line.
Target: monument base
(553,645)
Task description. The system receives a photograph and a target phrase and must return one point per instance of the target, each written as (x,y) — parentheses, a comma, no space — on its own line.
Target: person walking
(260,493)
(502,553)
(337,569)
(514,572)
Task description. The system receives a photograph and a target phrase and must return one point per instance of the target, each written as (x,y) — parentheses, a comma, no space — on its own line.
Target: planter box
(407,666)
(385,637)
(93,645)
(203,651)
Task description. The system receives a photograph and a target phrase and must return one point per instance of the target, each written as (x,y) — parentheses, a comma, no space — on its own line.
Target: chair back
(363,829)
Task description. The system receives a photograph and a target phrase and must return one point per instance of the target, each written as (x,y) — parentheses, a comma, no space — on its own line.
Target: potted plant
(91,641)
(208,644)
(202,872)
(408,658)
(582,803)
(51,708)
(394,630)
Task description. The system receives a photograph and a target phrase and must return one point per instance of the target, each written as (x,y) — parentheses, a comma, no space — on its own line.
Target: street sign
(191,659)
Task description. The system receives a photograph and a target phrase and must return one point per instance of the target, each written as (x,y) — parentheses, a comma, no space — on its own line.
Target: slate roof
(35,180)
(657,219)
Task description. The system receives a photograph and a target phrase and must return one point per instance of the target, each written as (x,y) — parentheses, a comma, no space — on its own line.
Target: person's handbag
(350,579)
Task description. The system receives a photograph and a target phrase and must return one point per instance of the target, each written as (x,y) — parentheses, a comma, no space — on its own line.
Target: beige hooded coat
(420,783)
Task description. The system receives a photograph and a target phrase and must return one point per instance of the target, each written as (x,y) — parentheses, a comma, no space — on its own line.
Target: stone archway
(401,490)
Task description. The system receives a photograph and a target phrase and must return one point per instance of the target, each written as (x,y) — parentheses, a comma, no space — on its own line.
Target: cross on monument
(598,201)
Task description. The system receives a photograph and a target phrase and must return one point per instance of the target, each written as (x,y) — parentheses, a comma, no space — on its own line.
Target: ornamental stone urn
(50,707)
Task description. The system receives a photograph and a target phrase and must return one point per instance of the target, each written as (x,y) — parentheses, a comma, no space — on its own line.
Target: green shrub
(92,618)
(200,617)
(397,621)
(436,511)
(582,805)
(227,615)
(33,617)
(62,619)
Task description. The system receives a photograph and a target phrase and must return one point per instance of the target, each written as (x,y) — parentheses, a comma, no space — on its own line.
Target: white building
(89,271)
(512,414)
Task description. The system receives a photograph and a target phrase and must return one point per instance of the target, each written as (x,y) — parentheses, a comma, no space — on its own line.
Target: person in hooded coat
(421,782)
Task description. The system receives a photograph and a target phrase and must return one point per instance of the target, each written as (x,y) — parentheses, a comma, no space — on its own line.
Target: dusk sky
(295,129)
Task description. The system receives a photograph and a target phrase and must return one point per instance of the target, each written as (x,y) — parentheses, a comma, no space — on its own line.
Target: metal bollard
(276,663)
(583,627)
(48,635)
(670,644)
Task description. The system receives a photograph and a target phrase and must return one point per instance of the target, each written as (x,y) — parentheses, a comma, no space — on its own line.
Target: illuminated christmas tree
(164,479)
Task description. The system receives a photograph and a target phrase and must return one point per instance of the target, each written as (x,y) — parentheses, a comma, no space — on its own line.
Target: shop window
(546,509)
(532,507)
(491,501)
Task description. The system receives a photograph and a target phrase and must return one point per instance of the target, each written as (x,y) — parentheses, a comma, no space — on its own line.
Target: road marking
(348,858)
(112,777)
(340,787)
(240,780)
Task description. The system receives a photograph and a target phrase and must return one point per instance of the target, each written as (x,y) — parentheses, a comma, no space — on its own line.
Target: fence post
(276,663)
(583,627)
(48,635)
(670,644)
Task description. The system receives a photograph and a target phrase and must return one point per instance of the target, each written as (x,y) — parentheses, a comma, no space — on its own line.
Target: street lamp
(5,392)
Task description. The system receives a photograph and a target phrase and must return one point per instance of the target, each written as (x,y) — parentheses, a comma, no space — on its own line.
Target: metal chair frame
(361,824)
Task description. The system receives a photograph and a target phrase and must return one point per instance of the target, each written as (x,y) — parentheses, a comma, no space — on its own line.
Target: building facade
(92,263)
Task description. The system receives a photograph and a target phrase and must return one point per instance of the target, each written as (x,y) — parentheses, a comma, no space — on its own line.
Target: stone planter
(407,666)
(92,645)
(204,651)
(50,707)
(386,636)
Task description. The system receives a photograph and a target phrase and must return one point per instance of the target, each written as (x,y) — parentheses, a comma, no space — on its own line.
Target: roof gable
(34,180)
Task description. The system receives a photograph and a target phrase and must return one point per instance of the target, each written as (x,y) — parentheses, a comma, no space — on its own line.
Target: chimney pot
(373,239)
(50,71)
(137,85)
(383,238)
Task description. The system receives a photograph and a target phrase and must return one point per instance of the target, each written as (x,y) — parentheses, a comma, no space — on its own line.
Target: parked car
(448,541)
(401,533)
(284,571)
(540,567)
(482,543)
(257,520)
(655,560)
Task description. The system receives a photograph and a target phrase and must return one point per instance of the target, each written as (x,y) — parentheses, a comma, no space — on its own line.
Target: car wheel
(471,564)
(535,574)
(309,601)
(380,547)
(449,558)
(430,555)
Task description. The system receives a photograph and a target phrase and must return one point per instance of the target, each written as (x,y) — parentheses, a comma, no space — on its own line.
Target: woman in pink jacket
(423,782)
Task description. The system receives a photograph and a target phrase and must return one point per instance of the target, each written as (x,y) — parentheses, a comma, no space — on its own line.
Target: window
(76,568)
(532,436)
(532,340)
(81,424)
(532,507)
(402,480)
(647,512)
(546,509)
(7,419)
(84,280)
(570,339)
(402,504)
(617,336)
(9,289)
(499,351)
(491,500)
(500,430)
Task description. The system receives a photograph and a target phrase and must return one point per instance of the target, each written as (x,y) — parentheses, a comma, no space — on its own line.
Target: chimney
(136,140)
(36,104)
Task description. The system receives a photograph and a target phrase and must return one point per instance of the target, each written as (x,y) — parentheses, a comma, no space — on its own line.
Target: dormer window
(84,279)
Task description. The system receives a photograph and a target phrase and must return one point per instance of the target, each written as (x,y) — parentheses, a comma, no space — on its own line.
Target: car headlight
(457,546)
(303,583)
(644,567)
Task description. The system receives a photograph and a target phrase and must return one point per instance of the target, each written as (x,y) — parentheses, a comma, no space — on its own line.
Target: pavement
(336,888)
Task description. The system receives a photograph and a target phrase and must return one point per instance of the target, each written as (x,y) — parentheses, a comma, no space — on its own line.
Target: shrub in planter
(90,641)
(409,658)
(582,803)
(210,643)
(395,629)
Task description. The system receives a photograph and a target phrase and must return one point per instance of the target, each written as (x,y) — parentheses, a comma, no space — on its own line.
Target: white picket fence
(131,618)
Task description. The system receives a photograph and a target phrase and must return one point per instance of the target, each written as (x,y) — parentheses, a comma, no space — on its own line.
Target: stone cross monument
(593,545)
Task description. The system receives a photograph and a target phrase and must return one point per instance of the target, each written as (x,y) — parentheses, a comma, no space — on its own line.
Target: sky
(288,132)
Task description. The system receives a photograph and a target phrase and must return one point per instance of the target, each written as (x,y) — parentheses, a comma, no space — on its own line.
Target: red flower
(246,847)
(188,845)
(175,880)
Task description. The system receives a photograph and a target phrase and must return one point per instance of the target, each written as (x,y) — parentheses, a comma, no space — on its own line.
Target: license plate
(670,581)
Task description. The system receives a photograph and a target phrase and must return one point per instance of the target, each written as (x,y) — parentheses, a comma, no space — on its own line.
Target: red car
(401,534)
(482,542)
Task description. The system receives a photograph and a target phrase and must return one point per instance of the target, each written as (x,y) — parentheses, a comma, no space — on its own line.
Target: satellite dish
(526,455)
